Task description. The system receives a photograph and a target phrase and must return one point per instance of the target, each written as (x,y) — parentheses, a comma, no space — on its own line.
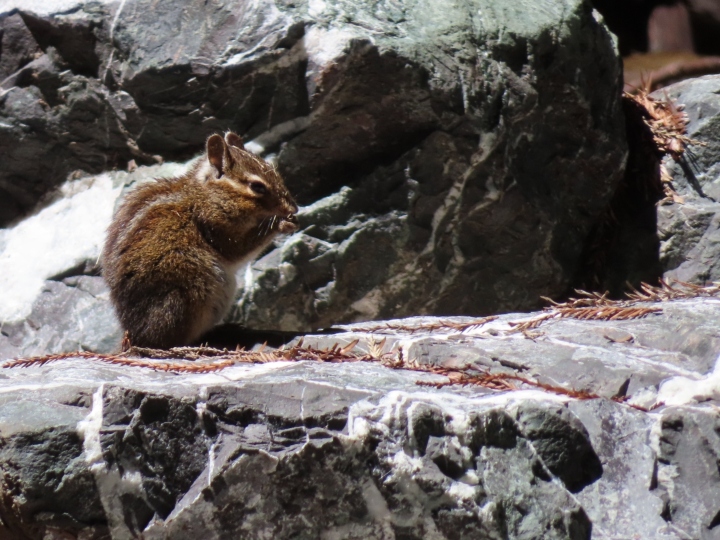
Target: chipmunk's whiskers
(261,228)
(268,226)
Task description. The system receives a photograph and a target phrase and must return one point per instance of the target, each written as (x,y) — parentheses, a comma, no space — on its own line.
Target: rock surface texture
(452,157)
(689,232)
(360,450)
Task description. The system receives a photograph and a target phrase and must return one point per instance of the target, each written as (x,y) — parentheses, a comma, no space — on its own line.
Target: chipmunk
(175,244)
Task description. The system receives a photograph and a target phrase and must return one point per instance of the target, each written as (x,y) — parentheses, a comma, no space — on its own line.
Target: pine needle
(443,324)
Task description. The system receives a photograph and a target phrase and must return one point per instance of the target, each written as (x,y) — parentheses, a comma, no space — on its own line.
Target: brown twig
(595,306)
(443,324)
(190,359)
(503,381)
(673,290)
(598,307)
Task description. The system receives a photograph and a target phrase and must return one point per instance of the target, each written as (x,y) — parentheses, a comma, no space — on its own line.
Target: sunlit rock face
(688,231)
(360,450)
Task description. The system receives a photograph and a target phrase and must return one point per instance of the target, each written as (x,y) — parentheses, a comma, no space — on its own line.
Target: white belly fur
(224,295)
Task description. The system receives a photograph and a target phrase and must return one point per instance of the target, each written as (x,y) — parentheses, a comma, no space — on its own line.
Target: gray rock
(64,123)
(243,463)
(19,48)
(623,502)
(442,213)
(68,315)
(688,441)
(469,148)
(689,232)
(359,450)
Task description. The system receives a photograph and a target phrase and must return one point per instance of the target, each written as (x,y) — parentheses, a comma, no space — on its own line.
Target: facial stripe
(225,181)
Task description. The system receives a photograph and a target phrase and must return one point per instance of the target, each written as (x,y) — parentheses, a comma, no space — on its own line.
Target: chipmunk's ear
(234,140)
(216,152)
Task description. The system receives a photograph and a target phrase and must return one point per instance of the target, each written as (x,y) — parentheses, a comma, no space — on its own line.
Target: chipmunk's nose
(290,203)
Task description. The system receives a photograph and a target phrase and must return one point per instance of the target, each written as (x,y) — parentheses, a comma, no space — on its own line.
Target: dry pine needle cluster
(667,123)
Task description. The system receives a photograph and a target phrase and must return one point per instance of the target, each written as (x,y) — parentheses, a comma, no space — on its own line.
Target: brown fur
(174,244)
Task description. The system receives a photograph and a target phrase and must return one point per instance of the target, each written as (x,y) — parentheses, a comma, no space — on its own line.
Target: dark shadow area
(83,268)
(231,336)
(629,21)
(74,39)
(623,247)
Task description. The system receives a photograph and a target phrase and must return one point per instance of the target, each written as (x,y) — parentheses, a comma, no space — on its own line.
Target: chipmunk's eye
(258,187)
